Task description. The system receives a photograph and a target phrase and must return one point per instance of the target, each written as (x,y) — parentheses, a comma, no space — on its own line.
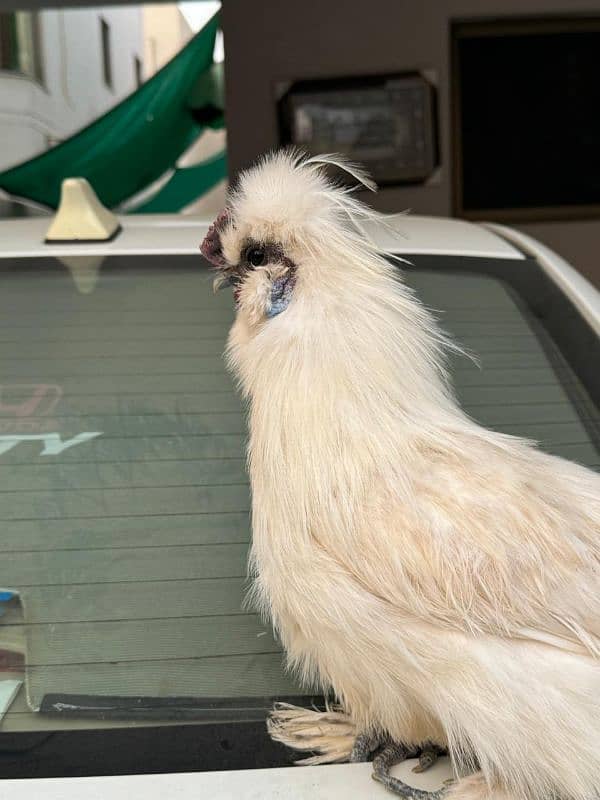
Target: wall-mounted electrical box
(387,123)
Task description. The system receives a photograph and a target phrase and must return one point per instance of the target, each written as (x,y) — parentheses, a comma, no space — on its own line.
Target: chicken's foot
(392,753)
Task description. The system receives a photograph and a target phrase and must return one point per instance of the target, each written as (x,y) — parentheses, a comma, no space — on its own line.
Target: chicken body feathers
(443,579)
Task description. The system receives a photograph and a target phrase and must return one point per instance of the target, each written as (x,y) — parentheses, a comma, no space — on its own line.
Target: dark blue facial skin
(281,293)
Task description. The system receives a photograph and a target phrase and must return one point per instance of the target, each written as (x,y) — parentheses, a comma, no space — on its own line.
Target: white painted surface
(143,234)
(73,91)
(439,236)
(583,295)
(171,233)
(334,782)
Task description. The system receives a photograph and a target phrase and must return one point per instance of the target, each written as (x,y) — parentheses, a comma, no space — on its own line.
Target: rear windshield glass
(124,495)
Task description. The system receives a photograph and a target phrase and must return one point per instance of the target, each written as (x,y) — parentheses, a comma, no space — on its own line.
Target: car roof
(162,233)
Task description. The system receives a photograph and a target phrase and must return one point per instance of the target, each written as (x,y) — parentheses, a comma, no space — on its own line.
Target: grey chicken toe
(394,753)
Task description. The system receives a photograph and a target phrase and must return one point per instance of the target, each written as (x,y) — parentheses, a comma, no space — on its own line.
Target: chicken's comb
(211,247)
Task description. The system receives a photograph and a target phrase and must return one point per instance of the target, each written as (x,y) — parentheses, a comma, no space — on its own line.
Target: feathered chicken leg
(364,745)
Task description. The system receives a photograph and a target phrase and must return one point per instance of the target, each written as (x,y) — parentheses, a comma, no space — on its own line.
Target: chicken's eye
(256,256)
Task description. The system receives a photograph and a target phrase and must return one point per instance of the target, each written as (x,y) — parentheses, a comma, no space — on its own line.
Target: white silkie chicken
(441,579)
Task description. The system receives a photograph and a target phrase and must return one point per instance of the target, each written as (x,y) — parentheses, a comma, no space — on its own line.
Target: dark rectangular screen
(527,125)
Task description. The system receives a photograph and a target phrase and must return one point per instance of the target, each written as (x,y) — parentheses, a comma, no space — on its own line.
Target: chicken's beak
(222,281)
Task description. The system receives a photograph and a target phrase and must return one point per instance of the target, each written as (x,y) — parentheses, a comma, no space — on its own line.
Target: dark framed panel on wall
(525,122)
(388,122)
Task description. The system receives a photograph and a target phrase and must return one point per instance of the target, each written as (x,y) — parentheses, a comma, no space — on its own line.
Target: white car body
(169,234)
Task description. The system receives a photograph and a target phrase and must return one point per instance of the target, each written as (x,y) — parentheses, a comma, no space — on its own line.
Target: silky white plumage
(441,578)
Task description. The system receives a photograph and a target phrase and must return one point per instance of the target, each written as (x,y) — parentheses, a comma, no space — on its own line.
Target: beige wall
(279,40)
(165,33)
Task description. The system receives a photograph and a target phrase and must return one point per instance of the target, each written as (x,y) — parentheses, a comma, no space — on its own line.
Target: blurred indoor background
(483,109)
